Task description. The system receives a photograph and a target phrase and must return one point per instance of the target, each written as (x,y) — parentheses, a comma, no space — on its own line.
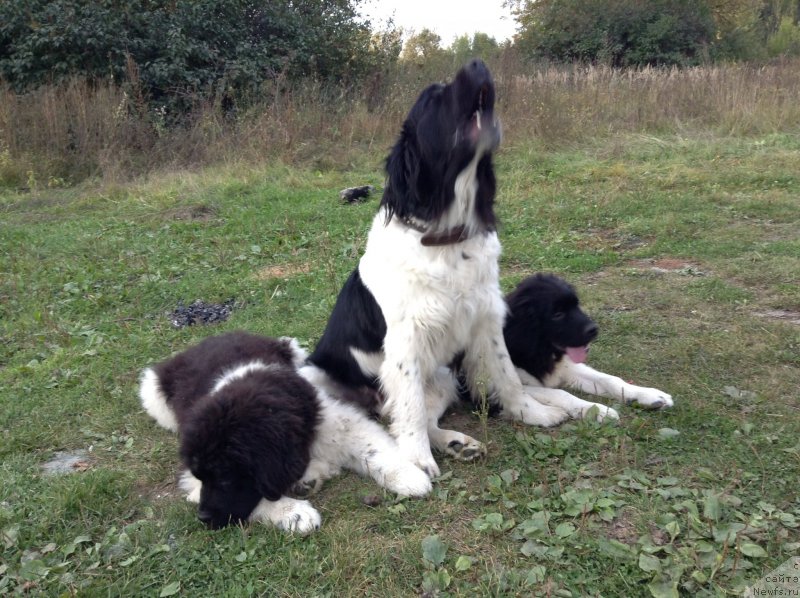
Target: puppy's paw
(603,412)
(408,480)
(288,514)
(465,448)
(534,413)
(652,398)
(190,485)
(419,454)
(303,519)
(306,487)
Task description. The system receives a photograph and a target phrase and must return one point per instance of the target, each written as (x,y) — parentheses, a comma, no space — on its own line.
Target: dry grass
(57,135)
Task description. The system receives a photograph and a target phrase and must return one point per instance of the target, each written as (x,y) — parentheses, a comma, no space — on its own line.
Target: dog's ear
(275,473)
(487,187)
(401,194)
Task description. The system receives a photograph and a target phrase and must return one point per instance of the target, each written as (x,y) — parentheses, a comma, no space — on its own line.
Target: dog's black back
(192,373)
(544,318)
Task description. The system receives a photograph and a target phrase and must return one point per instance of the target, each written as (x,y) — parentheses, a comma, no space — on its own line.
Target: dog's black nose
(591,331)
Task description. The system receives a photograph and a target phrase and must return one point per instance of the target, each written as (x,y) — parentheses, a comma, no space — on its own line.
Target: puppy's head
(446,128)
(544,309)
(248,441)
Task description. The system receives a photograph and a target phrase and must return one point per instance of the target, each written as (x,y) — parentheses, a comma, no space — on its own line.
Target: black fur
(252,438)
(544,318)
(356,321)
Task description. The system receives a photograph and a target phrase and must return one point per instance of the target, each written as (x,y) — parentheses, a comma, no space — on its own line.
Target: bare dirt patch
(623,528)
(282,271)
(197,213)
(165,489)
(669,265)
(68,462)
(785,315)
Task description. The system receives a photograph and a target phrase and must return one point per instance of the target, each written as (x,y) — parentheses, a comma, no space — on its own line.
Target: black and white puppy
(427,288)
(256,424)
(548,336)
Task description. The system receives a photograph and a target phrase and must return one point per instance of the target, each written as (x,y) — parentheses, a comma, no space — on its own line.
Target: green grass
(680,248)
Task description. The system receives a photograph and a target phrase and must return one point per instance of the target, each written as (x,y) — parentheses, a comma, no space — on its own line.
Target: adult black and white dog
(426,288)
(256,424)
(547,335)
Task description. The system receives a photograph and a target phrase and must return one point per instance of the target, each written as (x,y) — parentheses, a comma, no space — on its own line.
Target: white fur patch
(288,514)
(299,353)
(347,438)
(239,372)
(154,401)
(191,485)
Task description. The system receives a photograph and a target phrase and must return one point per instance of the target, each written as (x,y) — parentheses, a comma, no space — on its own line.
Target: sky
(448,18)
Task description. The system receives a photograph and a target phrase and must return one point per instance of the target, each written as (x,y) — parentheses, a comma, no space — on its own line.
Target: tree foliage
(618,32)
(180,47)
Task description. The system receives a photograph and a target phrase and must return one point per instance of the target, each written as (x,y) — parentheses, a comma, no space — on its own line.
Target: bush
(180,48)
(786,40)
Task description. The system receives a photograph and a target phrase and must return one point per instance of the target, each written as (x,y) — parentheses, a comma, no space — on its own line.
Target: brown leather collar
(457,234)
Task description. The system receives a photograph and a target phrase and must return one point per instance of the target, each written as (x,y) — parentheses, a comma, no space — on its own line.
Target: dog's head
(248,441)
(448,126)
(545,319)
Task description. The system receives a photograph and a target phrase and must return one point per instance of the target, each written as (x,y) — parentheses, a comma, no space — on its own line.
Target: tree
(422,48)
(480,45)
(619,32)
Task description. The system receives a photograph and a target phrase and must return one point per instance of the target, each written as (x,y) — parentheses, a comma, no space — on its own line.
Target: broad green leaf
(463,563)
(663,587)
(711,507)
(564,530)
(615,548)
(649,563)
(170,589)
(753,550)
(434,550)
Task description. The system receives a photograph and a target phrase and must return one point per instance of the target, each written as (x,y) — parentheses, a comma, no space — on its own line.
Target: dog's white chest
(441,290)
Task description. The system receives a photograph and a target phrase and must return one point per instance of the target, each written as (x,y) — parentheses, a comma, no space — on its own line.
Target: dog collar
(451,236)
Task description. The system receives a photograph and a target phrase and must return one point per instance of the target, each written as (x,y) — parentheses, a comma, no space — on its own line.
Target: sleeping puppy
(548,336)
(255,425)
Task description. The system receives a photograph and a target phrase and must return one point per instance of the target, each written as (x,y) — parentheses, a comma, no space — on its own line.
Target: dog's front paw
(419,454)
(603,412)
(190,485)
(465,449)
(534,413)
(652,398)
(306,487)
(408,480)
(288,514)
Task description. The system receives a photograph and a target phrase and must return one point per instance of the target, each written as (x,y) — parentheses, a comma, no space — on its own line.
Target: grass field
(685,249)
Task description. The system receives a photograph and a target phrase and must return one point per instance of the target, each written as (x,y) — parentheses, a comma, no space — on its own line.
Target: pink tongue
(578,354)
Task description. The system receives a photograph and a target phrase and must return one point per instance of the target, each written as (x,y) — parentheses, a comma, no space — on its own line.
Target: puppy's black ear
(401,196)
(275,474)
